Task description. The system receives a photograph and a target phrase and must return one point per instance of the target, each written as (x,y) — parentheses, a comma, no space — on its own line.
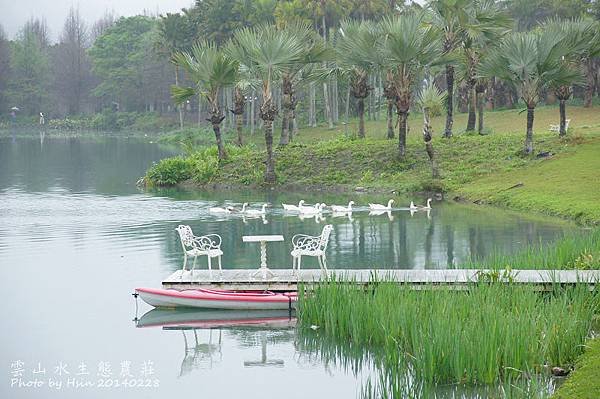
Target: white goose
(342,209)
(293,208)
(257,212)
(379,207)
(311,210)
(219,210)
(412,206)
(243,210)
(426,207)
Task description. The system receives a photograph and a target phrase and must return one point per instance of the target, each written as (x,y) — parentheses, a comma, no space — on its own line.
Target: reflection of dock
(286,280)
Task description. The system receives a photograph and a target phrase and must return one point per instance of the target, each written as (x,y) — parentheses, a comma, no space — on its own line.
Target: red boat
(218,299)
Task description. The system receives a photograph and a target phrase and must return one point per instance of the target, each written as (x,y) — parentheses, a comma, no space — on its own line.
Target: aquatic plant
(577,250)
(485,335)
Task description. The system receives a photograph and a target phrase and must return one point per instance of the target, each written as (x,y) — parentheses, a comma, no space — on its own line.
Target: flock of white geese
(318,208)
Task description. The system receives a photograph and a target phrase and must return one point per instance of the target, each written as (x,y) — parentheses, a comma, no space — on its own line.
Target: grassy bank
(475,167)
(487,335)
(585,382)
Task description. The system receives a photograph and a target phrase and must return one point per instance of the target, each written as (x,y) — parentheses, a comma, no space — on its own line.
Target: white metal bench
(208,245)
(556,128)
(305,245)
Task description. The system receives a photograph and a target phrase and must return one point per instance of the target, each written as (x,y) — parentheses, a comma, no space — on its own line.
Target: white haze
(14,13)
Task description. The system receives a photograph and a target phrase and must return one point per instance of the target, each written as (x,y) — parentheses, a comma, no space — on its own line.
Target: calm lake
(77,236)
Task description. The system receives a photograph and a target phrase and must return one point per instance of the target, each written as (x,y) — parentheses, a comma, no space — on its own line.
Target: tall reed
(576,250)
(486,335)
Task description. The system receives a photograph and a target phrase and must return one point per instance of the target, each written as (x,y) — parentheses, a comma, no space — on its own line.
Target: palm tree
(489,24)
(577,33)
(408,46)
(265,53)
(356,55)
(430,98)
(211,70)
(292,75)
(450,18)
(531,62)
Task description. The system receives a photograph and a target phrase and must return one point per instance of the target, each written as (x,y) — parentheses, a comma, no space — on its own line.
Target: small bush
(170,171)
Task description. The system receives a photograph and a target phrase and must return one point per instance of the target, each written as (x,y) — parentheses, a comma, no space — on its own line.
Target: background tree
(72,73)
(175,34)
(120,57)
(4,71)
(266,53)
(28,87)
(408,46)
(531,62)
(211,70)
(356,55)
(450,17)
(430,98)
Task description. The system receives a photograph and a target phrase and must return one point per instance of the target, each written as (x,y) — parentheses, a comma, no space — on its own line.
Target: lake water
(77,236)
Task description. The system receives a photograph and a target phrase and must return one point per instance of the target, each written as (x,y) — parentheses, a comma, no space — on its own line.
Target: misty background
(15,14)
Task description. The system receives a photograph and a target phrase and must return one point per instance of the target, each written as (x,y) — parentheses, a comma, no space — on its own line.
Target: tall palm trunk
(287,92)
(215,119)
(563,93)
(239,103)
(529,136)
(472,108)
(402,119)
(563,118)
(390,119)
(590,83)
(327,105)
(435,173)
(360,105)
(449,106)
(389,92)
(480,100)
(179,107)
(268,112)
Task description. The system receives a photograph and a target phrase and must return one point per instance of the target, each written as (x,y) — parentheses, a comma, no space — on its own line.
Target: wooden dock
(286,280)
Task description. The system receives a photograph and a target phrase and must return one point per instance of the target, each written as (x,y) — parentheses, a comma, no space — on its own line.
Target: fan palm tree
(530,62)
(211,70)
(408,46)
(489,24)
(356,54)
(450,18)
(315,51)
(265,53)
(430,98)
(578,33)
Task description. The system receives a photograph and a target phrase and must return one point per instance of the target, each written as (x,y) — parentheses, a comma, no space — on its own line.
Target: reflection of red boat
(190,318)
(218,299)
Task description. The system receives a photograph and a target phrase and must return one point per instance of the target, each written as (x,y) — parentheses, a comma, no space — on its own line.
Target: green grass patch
(566,185)
(584,383)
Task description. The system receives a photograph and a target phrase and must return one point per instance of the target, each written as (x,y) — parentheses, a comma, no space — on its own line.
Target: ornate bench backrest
(325,236)
(186,235)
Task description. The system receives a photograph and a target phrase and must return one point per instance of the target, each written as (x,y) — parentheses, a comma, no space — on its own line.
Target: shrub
(170,171)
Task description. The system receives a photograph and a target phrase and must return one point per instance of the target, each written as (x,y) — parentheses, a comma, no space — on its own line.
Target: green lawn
(567,185)
(584,383)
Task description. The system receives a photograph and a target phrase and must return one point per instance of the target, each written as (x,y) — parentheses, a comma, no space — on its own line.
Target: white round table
(263,252)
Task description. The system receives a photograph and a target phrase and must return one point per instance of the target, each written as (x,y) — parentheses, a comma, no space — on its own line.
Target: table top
(262,238)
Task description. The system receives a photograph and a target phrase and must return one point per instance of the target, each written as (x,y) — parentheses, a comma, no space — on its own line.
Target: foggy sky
(14,13)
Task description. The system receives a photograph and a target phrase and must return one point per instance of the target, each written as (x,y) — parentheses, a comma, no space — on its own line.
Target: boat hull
(211,299)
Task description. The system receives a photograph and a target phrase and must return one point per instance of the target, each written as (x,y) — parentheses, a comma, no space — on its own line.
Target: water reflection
(202,332)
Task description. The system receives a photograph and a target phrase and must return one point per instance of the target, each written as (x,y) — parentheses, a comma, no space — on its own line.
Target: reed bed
(486,335)
(576,250)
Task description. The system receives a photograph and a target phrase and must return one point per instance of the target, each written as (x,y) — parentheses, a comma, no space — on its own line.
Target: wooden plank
(285,279)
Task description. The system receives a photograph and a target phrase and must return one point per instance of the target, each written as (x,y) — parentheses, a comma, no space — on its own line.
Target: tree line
(324,60)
